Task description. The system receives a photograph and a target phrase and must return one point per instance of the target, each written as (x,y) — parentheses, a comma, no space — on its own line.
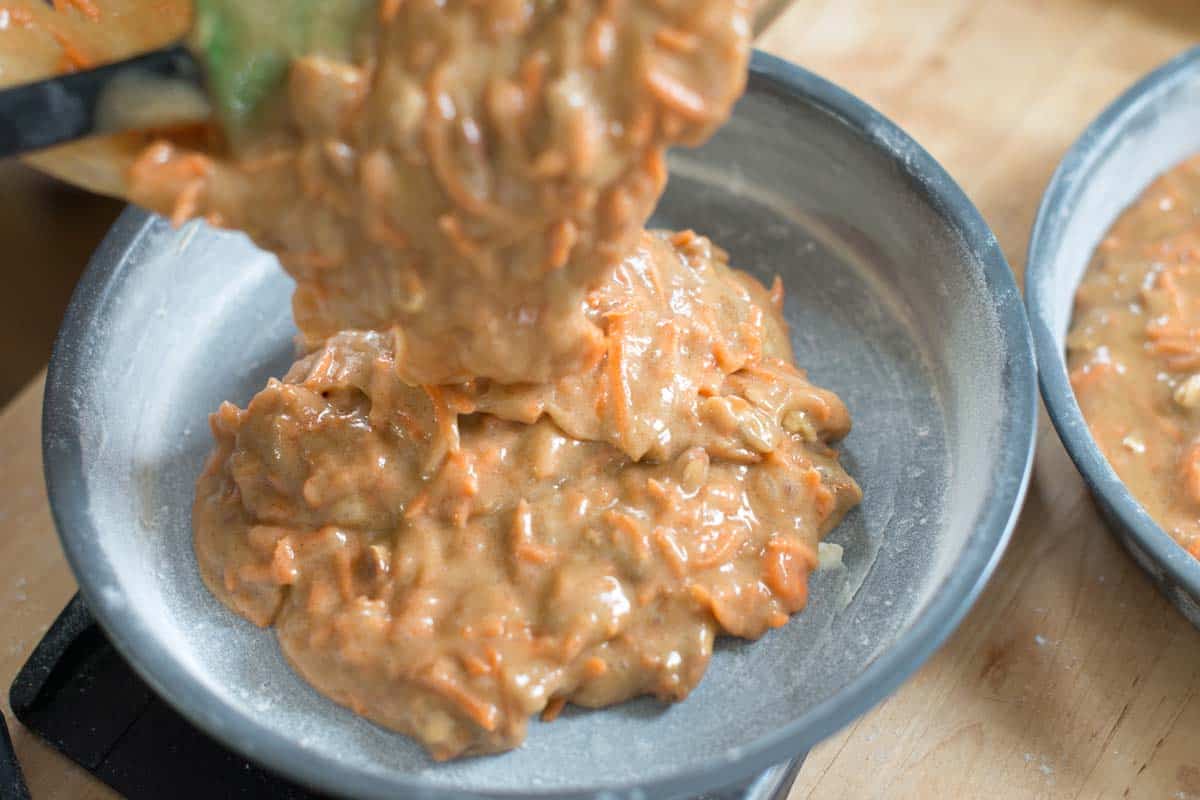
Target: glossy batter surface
(1134,350)
(533,454)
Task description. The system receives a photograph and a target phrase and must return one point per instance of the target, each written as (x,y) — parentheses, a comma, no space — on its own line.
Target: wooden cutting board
(1072,677)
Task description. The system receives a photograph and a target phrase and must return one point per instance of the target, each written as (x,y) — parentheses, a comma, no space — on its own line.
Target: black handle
(12,781)
(60,109)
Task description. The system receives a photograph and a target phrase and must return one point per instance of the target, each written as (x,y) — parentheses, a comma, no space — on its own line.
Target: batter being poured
(533,454)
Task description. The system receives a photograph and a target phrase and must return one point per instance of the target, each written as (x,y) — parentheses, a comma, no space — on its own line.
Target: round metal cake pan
(1149,129)
(899,299)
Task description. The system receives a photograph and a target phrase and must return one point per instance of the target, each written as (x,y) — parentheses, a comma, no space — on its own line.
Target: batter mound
(448,571)
(533,454)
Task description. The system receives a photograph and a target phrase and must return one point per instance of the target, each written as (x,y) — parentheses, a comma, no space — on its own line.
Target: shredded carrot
(594,667)
(677,96)
(481,712)
(383,232)
(550,164)
(583,147)
(1084,376)
(673,552)
(724,615)
(451,226)
(1184,363)
(532,77)
(73,57)
(683,238)
(522,523)
(535,554)
(572,646)
(187,202)
(553,709)
(283,563)
(446,438)
(1189,472)
(786,565)
(654,163)
(475,666)
(669,340)
(659,492)
(525,549)
(777,294)
(85,7)
(727,541)
(600,40)
(618,388)
(494,659)
(752,332)
(418,505)
(763,370)
(676,40)
(323,369)
(1173,345)
(1166,282)
(627,525)
(561,239)
(823,501)
(727,360)
(655,280)
(263,538)
(441,157)
(162,160)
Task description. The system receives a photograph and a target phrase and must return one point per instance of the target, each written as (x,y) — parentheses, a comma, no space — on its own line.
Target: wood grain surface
(35,584)
(1072,677)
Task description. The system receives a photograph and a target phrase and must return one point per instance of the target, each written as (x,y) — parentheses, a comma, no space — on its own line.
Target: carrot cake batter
(532,454)
(1134,350)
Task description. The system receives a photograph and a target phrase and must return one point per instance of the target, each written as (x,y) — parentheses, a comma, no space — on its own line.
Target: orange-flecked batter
(533,454)
(1135,350)
(450,560)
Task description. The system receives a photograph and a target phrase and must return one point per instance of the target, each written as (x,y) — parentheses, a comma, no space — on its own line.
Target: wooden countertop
(1072,677)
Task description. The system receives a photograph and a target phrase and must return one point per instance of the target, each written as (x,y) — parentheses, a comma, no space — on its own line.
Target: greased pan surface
(1149,129)
(899,300)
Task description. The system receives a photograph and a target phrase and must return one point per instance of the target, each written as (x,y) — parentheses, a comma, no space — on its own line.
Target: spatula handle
(106,99)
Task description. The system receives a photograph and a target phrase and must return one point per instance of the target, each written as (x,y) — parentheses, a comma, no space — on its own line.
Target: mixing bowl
(1149,129)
